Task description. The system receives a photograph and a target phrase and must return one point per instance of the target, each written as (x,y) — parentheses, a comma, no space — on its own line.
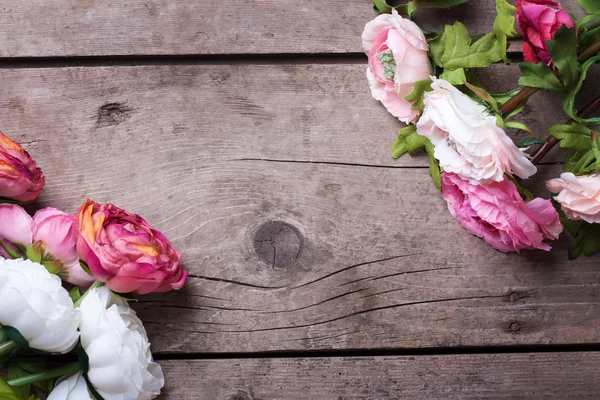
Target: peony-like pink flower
(466,138)
(497,213)
(538,21)
(398,57)
(579,196)
(123,251)
(53,228)
(20,179)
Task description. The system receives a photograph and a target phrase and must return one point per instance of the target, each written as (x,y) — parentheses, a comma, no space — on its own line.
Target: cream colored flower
(72,388)
(466,138)
(33,301)
(120,362)
(579,196)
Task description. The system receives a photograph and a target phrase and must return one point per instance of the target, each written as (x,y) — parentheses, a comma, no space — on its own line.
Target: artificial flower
(116,344)
(53,229)
(72,388)
(123,251)
(20,179)
(579,196)
(466,138)
(398,57)
(37,306)
(538,22)
(497,213)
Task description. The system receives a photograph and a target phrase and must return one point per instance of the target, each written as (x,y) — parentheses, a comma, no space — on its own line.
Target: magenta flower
(123,251)
(497,213)
(538,21)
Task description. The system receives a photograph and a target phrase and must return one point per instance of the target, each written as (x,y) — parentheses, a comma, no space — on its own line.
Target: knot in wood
(278,243)
(515,327)
(240,395)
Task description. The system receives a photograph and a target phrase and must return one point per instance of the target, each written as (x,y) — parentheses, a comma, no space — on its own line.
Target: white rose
(466,138)
(579,196)
(120,361)
(72,388)
(34,302)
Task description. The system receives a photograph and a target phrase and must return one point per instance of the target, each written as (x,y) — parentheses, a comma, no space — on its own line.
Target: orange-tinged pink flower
(123,251)
(20,179)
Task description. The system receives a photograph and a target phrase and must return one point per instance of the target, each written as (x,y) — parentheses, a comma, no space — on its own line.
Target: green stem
(95,285)
(7,348)
(65,370)
(592,23)
(3,336)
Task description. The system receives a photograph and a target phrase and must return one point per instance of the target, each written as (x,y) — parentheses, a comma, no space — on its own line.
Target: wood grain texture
(42,28)
(209,154)
(500,376)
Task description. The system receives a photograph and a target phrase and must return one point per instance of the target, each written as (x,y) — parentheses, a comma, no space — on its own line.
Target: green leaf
(502,98)
(12,253)
(455,77)
(15,335)
(85,267)
(8,392)
(382,6)
(539,76)
(34,366)
(408,141)
(15,372)
(569,97)
(563,51)
(590,6)
(416,96)
(574,137)
(504,25)
(32,253)
(75,294)
(530,141)
(586,241)
(460,53)
(434,165)
(128,297)
(437,46)
(519,125)
(483,95)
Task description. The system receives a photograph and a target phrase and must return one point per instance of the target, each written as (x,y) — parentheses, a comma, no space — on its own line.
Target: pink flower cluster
(478,157)
(101,243)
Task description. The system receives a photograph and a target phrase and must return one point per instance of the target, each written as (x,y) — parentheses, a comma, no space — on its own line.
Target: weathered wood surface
(498,376)
(42,28)
(369,258)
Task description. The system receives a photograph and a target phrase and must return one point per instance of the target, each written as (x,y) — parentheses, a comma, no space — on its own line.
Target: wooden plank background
(42,28)
(210,148)
(495,376)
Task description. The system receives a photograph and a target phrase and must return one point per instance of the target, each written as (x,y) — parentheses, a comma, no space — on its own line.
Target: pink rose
(538,21)
(53,228)
(20,179)
(466,138)
(579,196)
(497,213)
(123,251)
(398,57)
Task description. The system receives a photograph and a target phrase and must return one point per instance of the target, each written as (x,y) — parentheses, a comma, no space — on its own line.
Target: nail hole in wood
(278,244)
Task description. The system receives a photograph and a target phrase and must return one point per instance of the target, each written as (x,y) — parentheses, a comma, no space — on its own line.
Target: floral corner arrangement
(428,81)
(65,282)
